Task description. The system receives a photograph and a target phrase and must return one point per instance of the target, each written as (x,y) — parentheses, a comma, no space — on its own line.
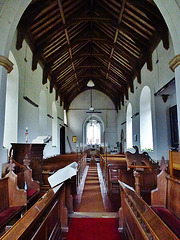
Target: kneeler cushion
(172,221)
(31,192)
(7,213)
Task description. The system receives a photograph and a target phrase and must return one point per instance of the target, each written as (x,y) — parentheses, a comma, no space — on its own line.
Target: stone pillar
(175,67)
(6,66)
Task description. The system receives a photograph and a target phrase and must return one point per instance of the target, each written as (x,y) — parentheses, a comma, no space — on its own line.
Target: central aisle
(91,200)
(91,221)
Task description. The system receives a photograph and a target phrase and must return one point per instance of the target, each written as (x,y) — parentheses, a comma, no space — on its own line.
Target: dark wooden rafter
(116,36)
(107,41)
(67,36)
(154,15)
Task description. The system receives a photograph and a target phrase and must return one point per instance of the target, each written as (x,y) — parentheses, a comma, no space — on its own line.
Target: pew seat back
(174,164)
(138,220)
(12,200)
(165,200)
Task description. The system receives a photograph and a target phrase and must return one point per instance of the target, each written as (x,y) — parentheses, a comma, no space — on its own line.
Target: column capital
(6,63)
(175,62)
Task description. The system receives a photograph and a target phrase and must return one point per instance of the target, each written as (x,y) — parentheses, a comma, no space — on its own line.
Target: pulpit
(34,152)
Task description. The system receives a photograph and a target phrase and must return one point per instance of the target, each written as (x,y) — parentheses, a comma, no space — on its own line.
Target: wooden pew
(114,168)
(25,180)
(138,221)
(165,201)
(12,200)
(174,164)
(46,219)
(52,164)
(32,187)
(106,159)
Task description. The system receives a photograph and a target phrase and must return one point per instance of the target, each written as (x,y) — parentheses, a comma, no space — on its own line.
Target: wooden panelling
(138,220)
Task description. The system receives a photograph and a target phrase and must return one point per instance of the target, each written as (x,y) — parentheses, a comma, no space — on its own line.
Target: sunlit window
(93,132)
(129,127)
(54,125)
(65,117)
(146,136)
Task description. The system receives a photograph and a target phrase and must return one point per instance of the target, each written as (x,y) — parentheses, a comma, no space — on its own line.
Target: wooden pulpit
(34,151)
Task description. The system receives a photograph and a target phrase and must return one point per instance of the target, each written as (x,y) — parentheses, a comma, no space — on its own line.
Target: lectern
(34,152)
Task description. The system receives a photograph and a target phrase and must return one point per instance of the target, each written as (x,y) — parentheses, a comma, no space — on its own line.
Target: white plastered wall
(155,80)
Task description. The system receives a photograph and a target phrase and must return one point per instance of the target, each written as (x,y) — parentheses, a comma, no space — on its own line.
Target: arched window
(93,132)
(146,136)
(11,112)
(65,117)
(129,142)
(54,125)
(42,113)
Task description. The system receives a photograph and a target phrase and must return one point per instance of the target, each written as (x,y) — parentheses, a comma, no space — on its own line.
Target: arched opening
(93,129)
(65,117)
(11,110)
(54,125)
(146,136)
(129,142)
(93,132)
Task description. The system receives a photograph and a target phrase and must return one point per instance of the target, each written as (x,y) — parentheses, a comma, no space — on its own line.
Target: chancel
(90,119)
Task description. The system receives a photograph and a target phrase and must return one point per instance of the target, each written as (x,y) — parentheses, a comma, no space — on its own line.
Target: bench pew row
(174,164)
(113,159)
(25,181)
(138,220)
(13,201)
(165,201)
(46,219)
(54,163)
(115,168)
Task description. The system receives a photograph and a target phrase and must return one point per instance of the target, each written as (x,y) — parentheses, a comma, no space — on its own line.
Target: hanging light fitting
(90,83)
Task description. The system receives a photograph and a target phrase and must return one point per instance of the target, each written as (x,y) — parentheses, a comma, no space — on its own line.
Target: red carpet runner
(93,229)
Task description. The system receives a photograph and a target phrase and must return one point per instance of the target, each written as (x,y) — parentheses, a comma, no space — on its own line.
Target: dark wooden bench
(46,219)
(32,187)
(54,163)
(114,168)
(108,163)
(165,201)
(12,200)
(138,220)
(118,171)
(174,164)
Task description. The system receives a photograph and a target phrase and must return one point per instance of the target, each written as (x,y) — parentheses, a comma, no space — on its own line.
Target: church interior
(89,119)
